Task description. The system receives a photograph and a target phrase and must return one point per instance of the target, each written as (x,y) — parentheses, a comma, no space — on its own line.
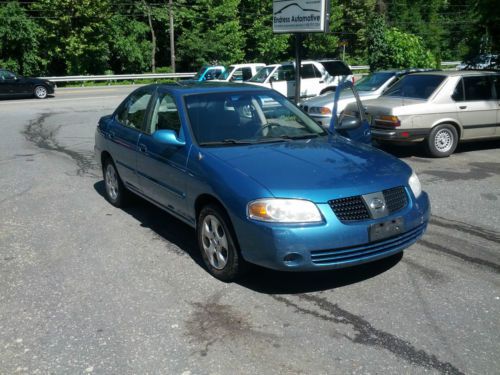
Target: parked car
(240,72)
(439,109)
(315,79)
(208,73)
(260,184)
(369,87)
(483,61)
(13,85)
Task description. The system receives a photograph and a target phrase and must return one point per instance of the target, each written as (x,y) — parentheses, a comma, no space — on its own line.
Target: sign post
(300,17)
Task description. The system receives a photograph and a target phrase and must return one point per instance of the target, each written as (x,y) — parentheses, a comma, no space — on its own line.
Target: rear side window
(458,93)
(132,113)
(478,88)
(415,86)
(309,71)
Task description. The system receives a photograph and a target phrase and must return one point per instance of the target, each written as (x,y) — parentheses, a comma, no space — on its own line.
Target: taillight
(387,120)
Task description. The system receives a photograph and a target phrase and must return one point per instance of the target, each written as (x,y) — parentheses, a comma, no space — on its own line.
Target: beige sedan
(439,109)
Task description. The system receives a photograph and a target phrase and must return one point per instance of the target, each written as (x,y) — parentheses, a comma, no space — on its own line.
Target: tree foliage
(19,40)
(60,37)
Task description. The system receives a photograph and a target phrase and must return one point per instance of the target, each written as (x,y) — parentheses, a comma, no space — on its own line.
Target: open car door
(352,122)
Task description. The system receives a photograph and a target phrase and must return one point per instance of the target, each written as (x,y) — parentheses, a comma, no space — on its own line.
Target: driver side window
(165,115)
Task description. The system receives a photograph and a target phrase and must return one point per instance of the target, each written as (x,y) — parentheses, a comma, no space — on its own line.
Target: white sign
(299,16)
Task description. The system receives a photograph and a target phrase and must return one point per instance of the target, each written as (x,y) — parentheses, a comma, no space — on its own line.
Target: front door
(283,80)
(362,132)
(161,167)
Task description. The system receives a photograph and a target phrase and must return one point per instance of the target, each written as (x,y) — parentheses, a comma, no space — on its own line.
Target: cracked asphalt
(88,288)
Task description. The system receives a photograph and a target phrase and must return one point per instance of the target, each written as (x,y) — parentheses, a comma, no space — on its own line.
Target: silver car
(369,87)
(439,109)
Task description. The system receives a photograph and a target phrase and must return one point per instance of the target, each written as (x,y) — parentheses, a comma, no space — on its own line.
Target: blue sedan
(260,181)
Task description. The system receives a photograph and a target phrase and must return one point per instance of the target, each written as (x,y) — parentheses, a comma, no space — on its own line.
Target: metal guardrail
(134,77)
(119,77)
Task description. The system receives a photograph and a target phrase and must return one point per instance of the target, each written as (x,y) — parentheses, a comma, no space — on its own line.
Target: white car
(240,72)
(369,87)
(315,79)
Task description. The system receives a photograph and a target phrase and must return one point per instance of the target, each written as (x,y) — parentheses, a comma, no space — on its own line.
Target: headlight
(284,211)
(415,185)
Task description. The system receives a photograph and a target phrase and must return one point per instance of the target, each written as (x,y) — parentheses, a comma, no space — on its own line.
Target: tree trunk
(153,36)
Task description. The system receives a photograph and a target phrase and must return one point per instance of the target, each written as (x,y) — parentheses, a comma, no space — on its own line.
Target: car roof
(187,88)
(247,65)
(455,73)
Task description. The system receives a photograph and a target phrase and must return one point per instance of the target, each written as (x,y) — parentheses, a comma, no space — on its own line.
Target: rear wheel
(116,193)
(328,89)
(442,141)
(40,92)
(217,246)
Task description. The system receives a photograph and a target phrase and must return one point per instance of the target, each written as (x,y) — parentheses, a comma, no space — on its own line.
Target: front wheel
(40,92)
(442,141)
(217,246)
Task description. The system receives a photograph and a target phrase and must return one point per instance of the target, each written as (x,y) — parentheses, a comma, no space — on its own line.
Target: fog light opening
(292,259)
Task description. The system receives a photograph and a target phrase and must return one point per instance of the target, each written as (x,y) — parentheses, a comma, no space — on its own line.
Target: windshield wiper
(304,136)
(228,141)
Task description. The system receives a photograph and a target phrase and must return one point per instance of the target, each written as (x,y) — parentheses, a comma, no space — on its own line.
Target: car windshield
(373,81)
(415,86)
(200,72)
(235,118)
(262,74)
(225,75)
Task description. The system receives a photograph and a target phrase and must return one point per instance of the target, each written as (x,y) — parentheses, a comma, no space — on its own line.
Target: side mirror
(272,79)
(168,137)
(349,122)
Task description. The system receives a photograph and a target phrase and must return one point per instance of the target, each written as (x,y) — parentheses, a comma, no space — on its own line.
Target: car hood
(318,169)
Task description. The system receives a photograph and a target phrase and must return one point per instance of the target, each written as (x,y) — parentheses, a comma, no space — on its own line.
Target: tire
(40,92)
(442,141)
(217,246)
(115,191)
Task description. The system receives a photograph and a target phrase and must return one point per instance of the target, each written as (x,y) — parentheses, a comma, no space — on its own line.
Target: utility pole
(172,41)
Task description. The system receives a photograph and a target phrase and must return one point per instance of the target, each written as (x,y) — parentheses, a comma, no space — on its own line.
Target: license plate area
(386,229)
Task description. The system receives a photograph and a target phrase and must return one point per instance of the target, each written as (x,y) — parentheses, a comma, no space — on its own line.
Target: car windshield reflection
(246,118)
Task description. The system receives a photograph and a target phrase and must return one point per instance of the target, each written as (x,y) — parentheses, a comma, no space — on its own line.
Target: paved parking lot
(88,288)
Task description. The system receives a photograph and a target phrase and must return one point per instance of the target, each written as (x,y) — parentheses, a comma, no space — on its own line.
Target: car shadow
(161,223)
(418,149)
(258,279)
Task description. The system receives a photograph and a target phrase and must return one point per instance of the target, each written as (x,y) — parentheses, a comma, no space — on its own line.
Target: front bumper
(331,244)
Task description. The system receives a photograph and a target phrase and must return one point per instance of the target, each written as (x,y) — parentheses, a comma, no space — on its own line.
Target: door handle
(462,107)
(111,135)
(143,148)
(321,81)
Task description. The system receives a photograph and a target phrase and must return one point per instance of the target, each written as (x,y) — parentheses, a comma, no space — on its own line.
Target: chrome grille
(354,208)
(395,198)
(350,209)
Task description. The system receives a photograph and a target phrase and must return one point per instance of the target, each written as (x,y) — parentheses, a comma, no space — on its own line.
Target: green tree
(19,44)
(210,33)
(76,38)
(262,45)
(392,48)
(130,49)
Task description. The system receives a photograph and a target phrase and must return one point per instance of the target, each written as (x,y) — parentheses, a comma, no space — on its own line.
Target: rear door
(362,132)
(162,168)
(477,108)
(311,80)
(124,132)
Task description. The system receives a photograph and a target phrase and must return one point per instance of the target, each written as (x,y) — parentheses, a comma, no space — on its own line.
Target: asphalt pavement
(89,288)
